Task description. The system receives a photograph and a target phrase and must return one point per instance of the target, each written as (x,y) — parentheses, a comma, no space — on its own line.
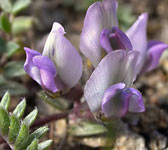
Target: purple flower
(150,51)
(99,16)
(60,65)
(101,34)
(108,88)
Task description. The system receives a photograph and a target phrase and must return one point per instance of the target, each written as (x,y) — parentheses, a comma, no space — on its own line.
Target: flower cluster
(126,55)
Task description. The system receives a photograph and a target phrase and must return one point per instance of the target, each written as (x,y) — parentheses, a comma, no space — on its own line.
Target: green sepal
(4,121)
(44,145)
(30,118)
(5,100)
(21,140)
(55,102)
(33,145)
(13,129)
(20,108)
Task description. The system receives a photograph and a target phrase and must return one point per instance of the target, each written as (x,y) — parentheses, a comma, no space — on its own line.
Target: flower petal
(111,10)
(47,73)
(90,36)
(45,63)
(118,100)
(104,40)
(116,67)
(153,43)
(49,49)
(138,38)
(113,103)
(66,58)
(135,101)
(29,66)
(114,39)
(99,16)
(48,81)
(155,51)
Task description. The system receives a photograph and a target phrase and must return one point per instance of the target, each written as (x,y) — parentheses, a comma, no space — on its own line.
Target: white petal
(137,35)
(66,58)
(99,16)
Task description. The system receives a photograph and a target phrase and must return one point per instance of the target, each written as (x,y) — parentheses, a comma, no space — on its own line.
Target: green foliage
(44,145)
(57,103)
(20,5)
(8,48)
(20,108)
(5,24)
(33,145)
(5,100)
(29,119)
(14,7)
(80,5)
(87,129)
(21,24)
(125,17)
(11,24)
(11,48)
(5,121)
(16,132)
(14,69)
(2,46)
(83,5)
(6,5)
(13,87)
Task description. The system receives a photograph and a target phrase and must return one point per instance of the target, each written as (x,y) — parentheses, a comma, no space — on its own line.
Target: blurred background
(29,23)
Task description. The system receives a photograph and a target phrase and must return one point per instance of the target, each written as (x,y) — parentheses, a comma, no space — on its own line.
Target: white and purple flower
(108,88)
(59,67)
(101,34)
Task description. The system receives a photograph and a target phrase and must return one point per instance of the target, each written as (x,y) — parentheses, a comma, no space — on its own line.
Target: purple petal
(48,80)
(45,63)
(66,58)
(155,51)
(153,43)
(99,16)
(116,67)
(135,101)
(114,39)
(138,38)
(47,72)
(118,100)
(113,103)
(29,66)
(104,40)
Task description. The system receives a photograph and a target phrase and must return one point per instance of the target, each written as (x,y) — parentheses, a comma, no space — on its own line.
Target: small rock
(130,141)
(60,130)
(158,141)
